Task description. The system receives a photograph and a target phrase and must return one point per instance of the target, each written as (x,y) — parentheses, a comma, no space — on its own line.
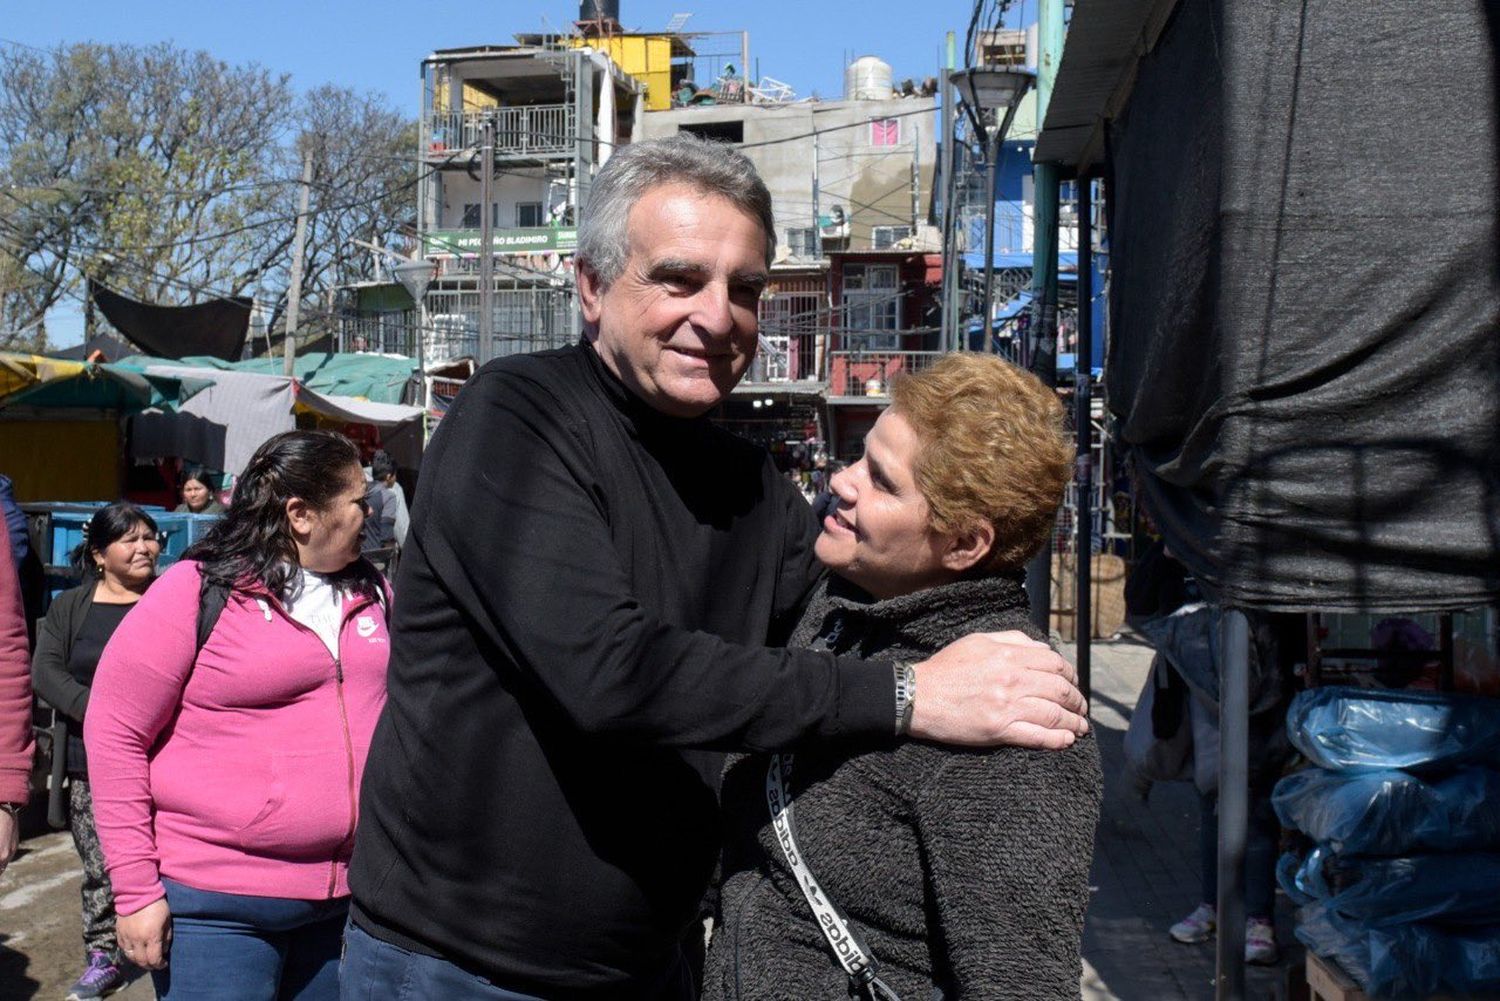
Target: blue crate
(178,532)
(62,527)
(64,530)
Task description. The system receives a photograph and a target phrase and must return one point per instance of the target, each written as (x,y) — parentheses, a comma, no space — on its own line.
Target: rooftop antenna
(676,24)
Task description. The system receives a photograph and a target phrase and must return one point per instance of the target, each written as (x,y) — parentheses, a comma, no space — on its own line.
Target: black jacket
(50,675)
(581,610)
(964,869)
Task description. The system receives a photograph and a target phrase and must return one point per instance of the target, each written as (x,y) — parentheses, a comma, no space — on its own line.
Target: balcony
(523,132)
(865,376)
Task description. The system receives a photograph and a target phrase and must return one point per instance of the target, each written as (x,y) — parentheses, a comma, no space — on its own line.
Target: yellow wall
(475,99)
(473,96)
(648,58)
(61,460)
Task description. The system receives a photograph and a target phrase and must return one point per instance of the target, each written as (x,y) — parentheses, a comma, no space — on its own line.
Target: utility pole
(294,294)
(487,243)
(916,177)
(817,224)
(992,153)
(1041,354)
(950,210)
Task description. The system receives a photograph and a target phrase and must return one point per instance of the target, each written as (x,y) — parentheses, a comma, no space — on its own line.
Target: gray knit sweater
(964,870)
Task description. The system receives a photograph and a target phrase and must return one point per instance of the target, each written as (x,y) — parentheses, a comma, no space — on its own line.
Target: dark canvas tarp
(215,328)
(1305,355)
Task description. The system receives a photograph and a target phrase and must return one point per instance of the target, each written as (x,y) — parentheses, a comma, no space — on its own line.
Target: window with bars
(802,241)
(872,305)
(886,237)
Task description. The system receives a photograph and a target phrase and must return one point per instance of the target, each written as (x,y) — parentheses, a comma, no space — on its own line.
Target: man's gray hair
(711,167)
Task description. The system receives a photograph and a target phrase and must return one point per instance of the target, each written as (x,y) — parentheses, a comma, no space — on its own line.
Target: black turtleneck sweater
(581,619)
(964,869)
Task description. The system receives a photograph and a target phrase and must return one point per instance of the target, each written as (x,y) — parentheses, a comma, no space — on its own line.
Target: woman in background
(198,494)
(226,760)
(117,560)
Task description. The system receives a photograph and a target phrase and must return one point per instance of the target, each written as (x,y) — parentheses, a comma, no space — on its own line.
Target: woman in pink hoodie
(226,777)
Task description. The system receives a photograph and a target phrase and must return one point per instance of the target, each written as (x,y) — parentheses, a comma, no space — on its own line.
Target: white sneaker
(1196,927)
(1260,942)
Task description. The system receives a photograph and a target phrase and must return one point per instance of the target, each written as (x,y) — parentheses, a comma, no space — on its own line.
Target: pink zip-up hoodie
(240,773)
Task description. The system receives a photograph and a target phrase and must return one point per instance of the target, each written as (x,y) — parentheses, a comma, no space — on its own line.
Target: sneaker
(1196,927)
(101,979)
(1260,942)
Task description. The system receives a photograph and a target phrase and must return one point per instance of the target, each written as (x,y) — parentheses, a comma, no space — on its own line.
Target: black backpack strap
(212,597)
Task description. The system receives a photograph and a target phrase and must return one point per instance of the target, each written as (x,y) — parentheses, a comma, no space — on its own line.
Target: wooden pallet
(1330,983)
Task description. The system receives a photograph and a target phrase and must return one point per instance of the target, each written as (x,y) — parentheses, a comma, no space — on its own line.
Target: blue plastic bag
(1460,889)
(1366,729)
(1393,812)
(1405,961)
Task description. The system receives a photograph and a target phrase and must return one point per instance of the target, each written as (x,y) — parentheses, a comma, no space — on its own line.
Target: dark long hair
(253,542)
(105,527)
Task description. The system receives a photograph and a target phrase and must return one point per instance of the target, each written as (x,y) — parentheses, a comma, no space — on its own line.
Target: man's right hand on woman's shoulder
(992,689)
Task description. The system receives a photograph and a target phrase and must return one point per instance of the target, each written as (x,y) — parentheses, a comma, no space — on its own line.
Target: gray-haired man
(590,601)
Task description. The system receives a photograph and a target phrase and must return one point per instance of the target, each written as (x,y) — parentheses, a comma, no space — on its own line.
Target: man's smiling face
(678,326)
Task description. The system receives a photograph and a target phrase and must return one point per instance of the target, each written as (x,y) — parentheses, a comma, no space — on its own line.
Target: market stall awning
(35,381)
(355,410)
(382,378)
(1303,356)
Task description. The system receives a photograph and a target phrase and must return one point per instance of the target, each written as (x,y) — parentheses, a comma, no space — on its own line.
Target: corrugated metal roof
(1106,39)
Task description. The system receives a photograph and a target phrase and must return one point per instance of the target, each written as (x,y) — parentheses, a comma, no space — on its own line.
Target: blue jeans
(228,947)
(378,971)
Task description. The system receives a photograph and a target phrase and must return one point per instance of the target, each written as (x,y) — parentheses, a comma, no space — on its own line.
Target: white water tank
(868,78)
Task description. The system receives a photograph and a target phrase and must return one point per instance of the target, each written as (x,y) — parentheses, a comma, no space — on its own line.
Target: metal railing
(526,130)
(868,373)
(525,320)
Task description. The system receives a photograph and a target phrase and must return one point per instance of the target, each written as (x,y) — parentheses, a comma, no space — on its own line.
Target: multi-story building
(851,182)
(851,187)
(555,114)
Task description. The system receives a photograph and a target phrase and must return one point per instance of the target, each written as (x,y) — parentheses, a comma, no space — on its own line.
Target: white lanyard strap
(852,954)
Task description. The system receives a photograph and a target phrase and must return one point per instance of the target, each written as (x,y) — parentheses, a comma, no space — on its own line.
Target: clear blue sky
(377,44)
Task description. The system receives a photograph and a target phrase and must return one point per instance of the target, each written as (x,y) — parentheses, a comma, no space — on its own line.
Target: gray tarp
(222,426)
(1305,355)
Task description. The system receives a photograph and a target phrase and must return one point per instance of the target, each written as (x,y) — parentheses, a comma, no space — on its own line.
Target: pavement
(1145,877)
(1145,874)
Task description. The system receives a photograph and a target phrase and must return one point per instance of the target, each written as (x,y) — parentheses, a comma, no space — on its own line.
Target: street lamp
(1000,90)
(415,275)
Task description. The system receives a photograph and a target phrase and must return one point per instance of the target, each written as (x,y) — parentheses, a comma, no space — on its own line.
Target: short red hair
(995,449)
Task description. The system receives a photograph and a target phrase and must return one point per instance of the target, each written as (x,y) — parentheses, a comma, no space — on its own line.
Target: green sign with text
(505,241)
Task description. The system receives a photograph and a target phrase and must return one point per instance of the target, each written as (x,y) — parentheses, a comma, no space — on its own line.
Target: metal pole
(487,244)
(294,292)
(916,176)
(950,211)
(992,153)
(1041,358)
(424,396)
(1082,394)
(1234,803)
(817,224)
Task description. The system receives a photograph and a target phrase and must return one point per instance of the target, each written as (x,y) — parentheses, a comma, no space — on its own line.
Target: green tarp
(378,378)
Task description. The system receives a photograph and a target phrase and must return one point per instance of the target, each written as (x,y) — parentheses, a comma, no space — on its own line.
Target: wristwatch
(14,809)
(906,696)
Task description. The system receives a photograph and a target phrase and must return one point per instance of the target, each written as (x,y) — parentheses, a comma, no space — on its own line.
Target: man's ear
(967,549)
(590,293)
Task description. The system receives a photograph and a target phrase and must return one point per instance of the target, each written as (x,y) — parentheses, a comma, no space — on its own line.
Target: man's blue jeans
(228,947)
(378,971)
